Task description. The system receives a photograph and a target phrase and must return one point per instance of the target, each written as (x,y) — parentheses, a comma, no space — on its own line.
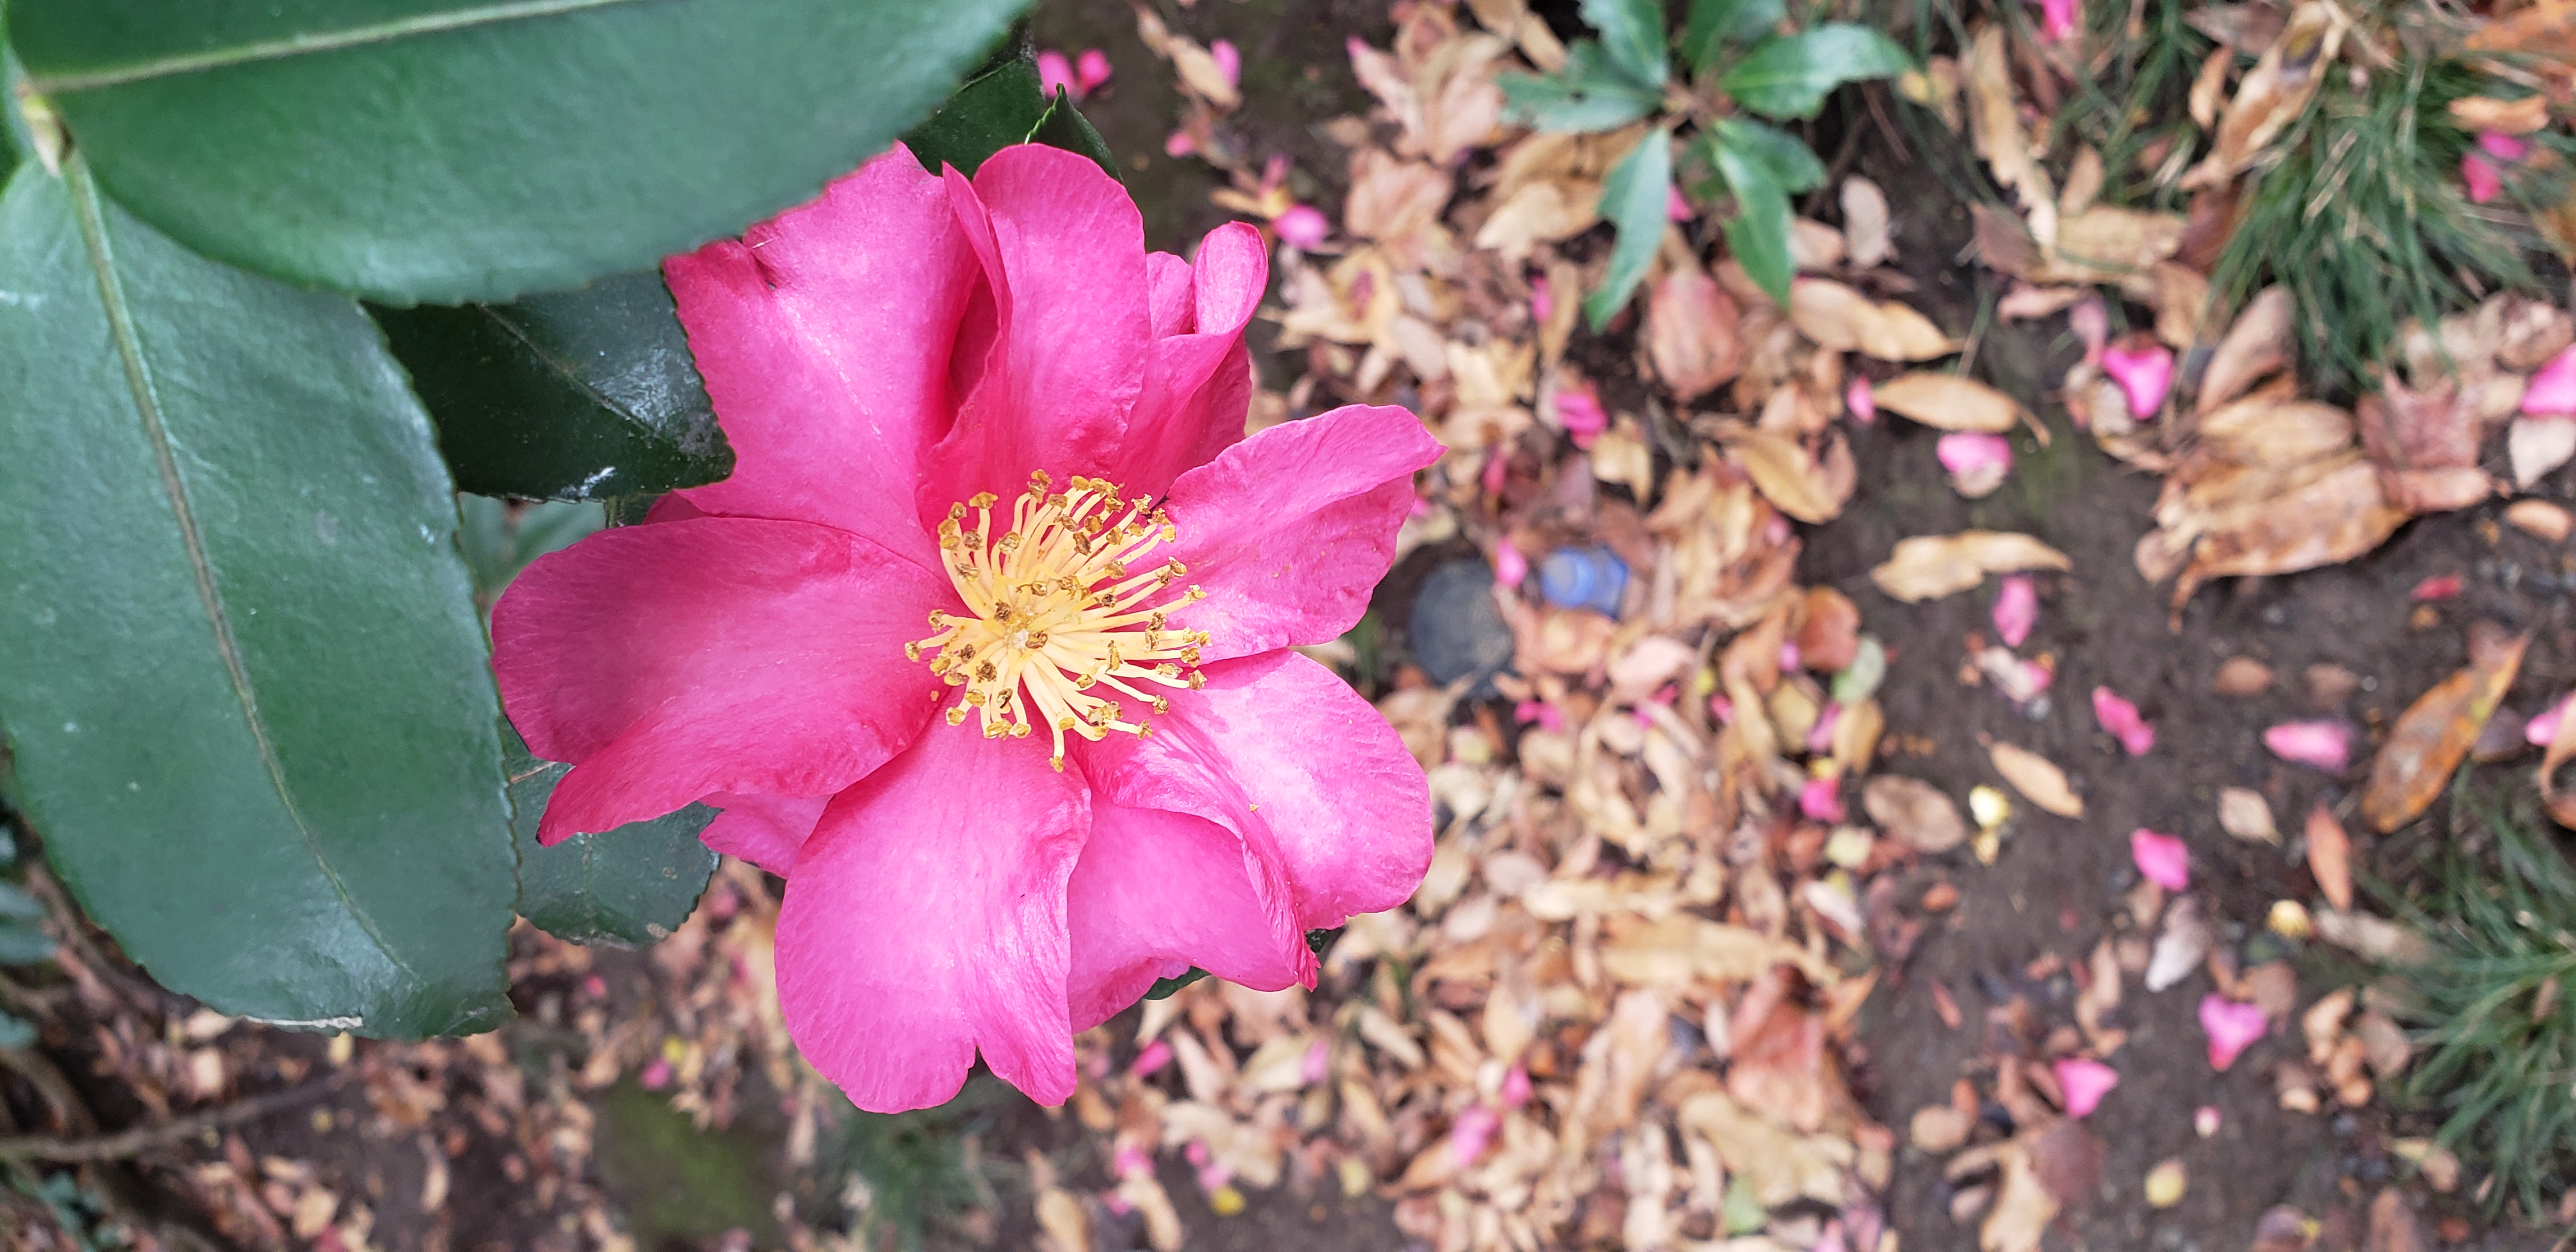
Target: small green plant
(1734,62)
(2498,997)
(907,1175)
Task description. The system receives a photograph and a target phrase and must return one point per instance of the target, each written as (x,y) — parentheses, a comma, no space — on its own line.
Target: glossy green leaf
(1792,163)
(455,150)
(997,109)
(630,886)
(499,539)
(1065,127)
(1714,24)
(1632,32)
(1634,198)
(248,697)
(1789,76)
(572,395)
(1758,234)
(1589,94)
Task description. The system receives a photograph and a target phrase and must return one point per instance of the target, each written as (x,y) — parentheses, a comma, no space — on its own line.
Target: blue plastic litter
(1590,577)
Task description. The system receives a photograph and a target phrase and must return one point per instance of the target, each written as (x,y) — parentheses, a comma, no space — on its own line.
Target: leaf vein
(308,44)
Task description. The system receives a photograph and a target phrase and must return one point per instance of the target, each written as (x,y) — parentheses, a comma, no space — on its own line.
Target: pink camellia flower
(2231,1027)
(1090,70)
(985,643)
(2164,859)
(2016,609)
(2120,719)
(2084,1083)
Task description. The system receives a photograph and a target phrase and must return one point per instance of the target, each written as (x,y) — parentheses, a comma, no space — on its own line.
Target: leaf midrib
(309,44)
(147,403)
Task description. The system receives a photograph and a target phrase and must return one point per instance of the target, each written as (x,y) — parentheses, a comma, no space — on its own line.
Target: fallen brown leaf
(1928,566)
(1785,473)
(2246,815)
(2274,93)
(2330,856)
(2433,735)
(2336,515)
(1949,402)
(2256,346)
(1691,333)
(1843,320)
(2037,778)
(1914,811)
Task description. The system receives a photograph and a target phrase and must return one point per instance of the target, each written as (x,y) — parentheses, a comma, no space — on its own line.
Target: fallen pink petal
(1862,401)
(1056,73)
(1229,61)
(2479,174)
(1580,412)
(2016,609)
(2057,19)
(2325,745)
(2145,375)
(1090,70)
(1472,1133)
(1516,1087)
(1303,227)
(1967,452)
(1677,209)
(2083,1082)
(2552,389)
(2544,727)
(2437,587)
(2121,721)
(2164,860)
(2500,145)
(1822,799)
(1511,568)
(1150,1059)
(840,645)
(2232,1027)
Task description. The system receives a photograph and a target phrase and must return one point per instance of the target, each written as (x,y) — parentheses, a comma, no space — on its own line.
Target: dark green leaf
(1716,23)
(454,150)
(1590,93)
(630,886)
(24,945)
(1634,198)
(573,395)
(1789,76)
(993,112)
(1792,164)
(499,542)
(248,696)
(1632,31)
(1758,234)
(1065,127)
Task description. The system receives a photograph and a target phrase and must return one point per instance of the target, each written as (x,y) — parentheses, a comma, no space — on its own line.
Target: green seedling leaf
(1634,198)
(629,887)
(453,150)
(1758,234)
(244,685)
(1715,24)
(1792,164)
(1632,32)
(1591,93)
(1790,75)
(574,395)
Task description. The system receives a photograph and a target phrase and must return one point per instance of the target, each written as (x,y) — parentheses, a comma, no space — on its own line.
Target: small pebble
(2165,1184)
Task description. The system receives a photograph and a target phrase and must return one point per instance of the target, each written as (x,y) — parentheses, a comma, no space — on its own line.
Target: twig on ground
(141,1139)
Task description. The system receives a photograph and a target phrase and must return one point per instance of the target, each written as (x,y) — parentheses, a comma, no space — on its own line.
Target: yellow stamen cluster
(1065,605)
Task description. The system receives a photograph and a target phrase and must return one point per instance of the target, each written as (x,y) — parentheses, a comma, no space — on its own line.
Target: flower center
(1067,614)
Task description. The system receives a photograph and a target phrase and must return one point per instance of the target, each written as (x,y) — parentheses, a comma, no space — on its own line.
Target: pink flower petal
(2090,319)
(1198,374)
(2496,143)
(1063,252)
(1510,567)
(1969,453)
(1677,209)
(2543,728)
(1820,737)
(675,660)
(2437,587)
(2232,1028)
(2057,19)
(2325,745)
(764,830)
(1580,412)
(1472,1133)
(1229,61)
(1351,824)
(926,923)
(656,1075)
(1289,531)
(2163,859)
(1318,1065)
(1055,72)
(2084,1083)
(1822,799)
(1156,893)
(1542,301)
(2145,374)
(1180,143)
(1152,1057)
(2552,390)
(2479,174)
(1302,226)
(1516,1087)
(2016,609)
(824,338)
(1090,70)
(2120,718)
(1862,401)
